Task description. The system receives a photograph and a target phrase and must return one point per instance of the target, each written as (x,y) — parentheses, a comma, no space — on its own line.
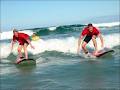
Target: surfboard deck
(26,61)
(104,52)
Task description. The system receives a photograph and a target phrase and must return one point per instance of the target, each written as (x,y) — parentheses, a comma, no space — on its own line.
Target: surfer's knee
(83,46)
(25,48)
(93,37)
(19,49)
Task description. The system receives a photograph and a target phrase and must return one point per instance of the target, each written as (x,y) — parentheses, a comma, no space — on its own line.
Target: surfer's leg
(85,42)
(25,50)
(19,51)
(84,47)
(94,43)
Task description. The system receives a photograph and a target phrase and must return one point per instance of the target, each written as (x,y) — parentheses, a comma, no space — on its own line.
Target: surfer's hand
(32,47)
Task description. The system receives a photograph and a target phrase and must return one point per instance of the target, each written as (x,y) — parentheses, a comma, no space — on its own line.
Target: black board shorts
(87,39)
(22,43)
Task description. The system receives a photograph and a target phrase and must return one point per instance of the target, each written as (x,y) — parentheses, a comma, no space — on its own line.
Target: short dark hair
(15,30)
(90,24)
(34,33)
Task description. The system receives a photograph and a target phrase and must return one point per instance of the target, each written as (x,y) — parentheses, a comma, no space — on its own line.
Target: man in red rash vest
(23,40)
(89,32)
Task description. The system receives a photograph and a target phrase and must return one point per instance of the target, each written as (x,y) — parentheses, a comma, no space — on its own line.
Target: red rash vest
(22,37)
(88,33)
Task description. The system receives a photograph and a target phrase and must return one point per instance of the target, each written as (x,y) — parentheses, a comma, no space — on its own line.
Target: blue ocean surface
(58,67)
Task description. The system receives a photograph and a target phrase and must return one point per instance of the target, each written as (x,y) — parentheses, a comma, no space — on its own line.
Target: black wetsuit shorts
(87,39)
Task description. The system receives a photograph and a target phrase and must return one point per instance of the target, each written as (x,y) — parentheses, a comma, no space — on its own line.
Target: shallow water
(62,73)
(62,69)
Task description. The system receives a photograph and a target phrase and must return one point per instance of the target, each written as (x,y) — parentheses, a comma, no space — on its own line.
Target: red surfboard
(103,52)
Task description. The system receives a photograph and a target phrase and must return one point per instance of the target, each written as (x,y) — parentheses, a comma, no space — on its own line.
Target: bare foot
(95,53)
(18,60)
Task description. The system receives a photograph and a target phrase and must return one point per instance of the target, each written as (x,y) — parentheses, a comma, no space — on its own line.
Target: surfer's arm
(13,41)
(101,39)
(28,40)
(79,43)
(12,44)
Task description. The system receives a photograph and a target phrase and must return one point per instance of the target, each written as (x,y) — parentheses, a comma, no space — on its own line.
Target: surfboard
(104,52)
(26,62)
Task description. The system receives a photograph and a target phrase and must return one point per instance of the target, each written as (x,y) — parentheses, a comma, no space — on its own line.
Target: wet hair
(34,33)
(90,24)
(15,30)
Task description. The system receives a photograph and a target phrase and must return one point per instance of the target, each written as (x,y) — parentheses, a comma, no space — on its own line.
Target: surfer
(89,32)
(24,41)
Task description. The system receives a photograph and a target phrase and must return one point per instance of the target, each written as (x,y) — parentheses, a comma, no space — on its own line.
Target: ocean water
(58,67)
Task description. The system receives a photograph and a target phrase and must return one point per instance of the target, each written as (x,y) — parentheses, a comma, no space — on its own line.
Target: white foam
(61,45)
(9,34)
(5,50)
(107,24)
(69,45)
(109,41)
(52,28)
(66,45)
(6,35)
